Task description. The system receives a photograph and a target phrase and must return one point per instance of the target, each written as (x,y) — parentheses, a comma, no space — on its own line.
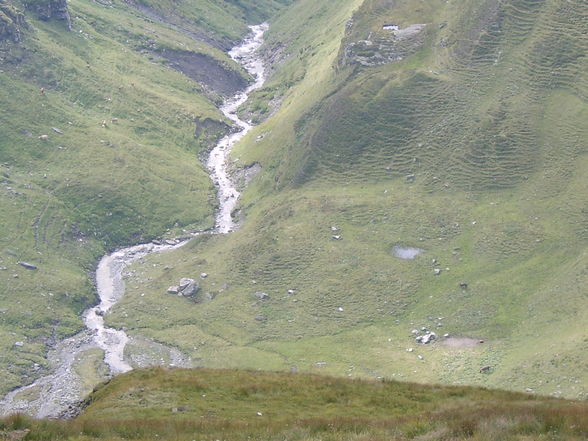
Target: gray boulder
(188,287)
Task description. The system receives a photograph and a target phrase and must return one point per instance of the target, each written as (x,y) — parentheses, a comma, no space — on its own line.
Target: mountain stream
(59,393)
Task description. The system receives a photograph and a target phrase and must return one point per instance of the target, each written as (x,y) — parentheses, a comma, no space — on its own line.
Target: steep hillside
(102,138)
(237,405)
(458,130)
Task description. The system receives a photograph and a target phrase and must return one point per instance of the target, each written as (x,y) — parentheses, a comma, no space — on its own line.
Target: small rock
(334,229)
(437,271)
(262,295)
(44,137)
(321,363)
(446,335)
(173,289)
(27,265)
(56,130)
(409,350)
(260,318)
(259,414)
(337,237)
(156,242)
(427,338)
(420,357)
(340,309)
(170,242)
(203,275)
(291,291)
(19,344)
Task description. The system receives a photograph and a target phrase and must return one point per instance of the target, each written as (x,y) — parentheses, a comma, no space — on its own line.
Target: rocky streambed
(60,392)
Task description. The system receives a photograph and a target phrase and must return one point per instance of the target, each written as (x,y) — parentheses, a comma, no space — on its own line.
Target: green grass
(222,21)
(205,404)
(472,147)
(490,118)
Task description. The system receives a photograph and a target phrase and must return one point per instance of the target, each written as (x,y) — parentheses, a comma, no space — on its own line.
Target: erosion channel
(59,393)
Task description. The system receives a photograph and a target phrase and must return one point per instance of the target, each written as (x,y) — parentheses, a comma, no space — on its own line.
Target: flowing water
(60,392)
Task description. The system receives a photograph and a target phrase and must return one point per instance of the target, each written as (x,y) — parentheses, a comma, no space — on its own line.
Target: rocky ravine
(60,392)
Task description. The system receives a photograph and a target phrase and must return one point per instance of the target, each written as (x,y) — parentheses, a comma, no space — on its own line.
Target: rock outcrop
(50,10)
(11,22)
(387,46)
(186,288)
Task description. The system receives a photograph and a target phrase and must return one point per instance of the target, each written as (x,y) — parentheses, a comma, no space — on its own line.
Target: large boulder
(188,287)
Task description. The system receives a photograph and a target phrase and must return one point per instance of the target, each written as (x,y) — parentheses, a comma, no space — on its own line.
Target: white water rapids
(60,391)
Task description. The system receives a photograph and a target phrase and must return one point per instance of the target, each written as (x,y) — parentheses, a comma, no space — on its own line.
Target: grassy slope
(222,21)
(238,405)
(490,116)
(65,200)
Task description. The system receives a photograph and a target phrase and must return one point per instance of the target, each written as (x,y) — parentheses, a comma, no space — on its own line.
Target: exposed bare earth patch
(461,342)
(206,70)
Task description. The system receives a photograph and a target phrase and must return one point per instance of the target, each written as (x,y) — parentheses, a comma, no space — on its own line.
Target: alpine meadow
(294,219)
